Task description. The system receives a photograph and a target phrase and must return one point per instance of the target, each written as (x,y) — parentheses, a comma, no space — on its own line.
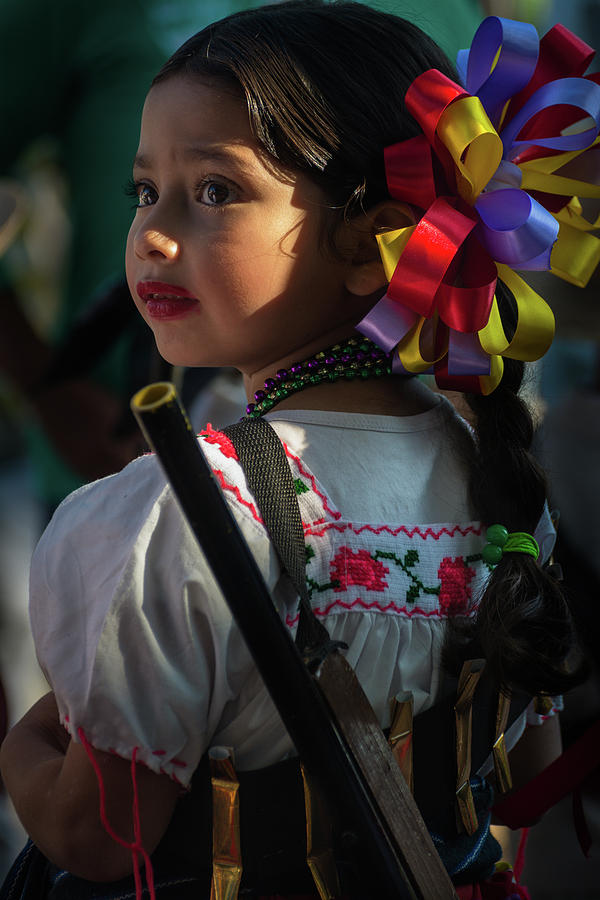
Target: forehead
(184,117)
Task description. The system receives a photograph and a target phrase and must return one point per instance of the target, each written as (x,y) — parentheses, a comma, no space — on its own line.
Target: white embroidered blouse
(136,639)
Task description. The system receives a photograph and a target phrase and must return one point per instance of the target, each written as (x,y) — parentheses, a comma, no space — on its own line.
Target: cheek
(132,272)
(129,259)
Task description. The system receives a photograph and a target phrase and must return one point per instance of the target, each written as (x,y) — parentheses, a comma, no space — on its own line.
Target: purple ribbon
(515,229)
(578,92)
(387,323)
(466,356)
(518,43)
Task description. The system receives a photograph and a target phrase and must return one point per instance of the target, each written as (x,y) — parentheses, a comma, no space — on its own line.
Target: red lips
(166,301)
(160,290)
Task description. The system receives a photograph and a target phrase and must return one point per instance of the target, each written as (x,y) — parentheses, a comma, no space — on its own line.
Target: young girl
(260,187)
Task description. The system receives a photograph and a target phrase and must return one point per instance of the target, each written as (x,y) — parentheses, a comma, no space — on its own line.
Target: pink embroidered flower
(358,567)
(217,437)
(455,591)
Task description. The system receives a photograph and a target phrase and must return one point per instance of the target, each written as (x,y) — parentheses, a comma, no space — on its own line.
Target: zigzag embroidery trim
(234,489)
(308,474)
(217,438)
(401,529)
(400,610)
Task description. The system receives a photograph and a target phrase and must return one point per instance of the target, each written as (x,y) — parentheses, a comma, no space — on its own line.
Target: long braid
(523,625)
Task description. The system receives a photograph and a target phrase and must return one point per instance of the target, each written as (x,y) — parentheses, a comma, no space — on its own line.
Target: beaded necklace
(351,358)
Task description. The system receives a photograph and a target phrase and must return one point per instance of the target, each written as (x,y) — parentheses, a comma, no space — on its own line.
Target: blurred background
(73,77)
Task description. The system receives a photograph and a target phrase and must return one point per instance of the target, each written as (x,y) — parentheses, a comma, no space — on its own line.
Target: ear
(365,275)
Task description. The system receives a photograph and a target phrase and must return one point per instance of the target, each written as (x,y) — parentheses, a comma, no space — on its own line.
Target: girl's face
(224,256)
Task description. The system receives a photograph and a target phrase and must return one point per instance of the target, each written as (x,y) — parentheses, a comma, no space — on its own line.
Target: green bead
(267,404)
(497,534)
(350,374)
(315,379)
(364,373)
(492,554)
(379,370)
(333,376)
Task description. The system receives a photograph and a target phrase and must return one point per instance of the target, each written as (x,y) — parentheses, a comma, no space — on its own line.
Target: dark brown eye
(215,193)
(146,196)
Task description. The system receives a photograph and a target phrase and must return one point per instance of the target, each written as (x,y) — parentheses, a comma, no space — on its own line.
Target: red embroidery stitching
(402,610)
(455,591)
(410,532)
(236,491)
(349,567)
(307,474)
(211,436)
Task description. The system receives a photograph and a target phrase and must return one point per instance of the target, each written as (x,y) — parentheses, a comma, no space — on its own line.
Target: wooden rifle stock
(351,759)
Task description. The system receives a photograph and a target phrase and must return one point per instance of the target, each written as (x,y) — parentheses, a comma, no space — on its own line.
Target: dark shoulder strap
(265,465)
(268,474)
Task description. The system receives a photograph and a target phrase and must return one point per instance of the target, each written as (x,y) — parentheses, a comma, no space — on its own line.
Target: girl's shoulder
(140,490)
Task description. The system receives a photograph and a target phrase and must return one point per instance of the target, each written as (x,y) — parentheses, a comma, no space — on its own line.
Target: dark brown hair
(325,85)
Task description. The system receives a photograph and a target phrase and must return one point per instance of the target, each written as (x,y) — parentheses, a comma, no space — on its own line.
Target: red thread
(211,436)
(136,845)
(410,532)
(455,591)
(350,567)
(402,610)
(236,491)
(307,474)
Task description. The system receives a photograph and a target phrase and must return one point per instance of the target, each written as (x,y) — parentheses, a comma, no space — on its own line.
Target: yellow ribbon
(473,143)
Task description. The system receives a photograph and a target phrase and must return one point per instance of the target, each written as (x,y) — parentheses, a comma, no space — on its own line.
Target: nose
(151,242)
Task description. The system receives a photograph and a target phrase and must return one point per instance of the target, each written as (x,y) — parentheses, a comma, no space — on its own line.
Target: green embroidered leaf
(412,593)
(300,487)
(411,557)
(310,553)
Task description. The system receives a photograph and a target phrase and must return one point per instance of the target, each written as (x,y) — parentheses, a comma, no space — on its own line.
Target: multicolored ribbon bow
(500,176)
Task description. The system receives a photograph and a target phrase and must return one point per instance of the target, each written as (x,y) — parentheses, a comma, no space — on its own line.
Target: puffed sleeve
(130,627)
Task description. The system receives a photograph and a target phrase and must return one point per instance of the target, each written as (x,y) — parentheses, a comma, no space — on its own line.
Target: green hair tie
(499,542)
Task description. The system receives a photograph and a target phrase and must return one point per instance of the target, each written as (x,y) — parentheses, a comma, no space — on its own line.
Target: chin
(185,360)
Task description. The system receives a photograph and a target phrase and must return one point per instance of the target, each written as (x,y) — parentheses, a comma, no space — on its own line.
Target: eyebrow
(192,154)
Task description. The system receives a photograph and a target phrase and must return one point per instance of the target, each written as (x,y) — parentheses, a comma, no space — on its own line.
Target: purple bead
(296,369)
(270,384)
(360,356)
(282,375)
(347,357)
(313,364)
(250,408)
(375,354)
(259,396)
(330,360)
